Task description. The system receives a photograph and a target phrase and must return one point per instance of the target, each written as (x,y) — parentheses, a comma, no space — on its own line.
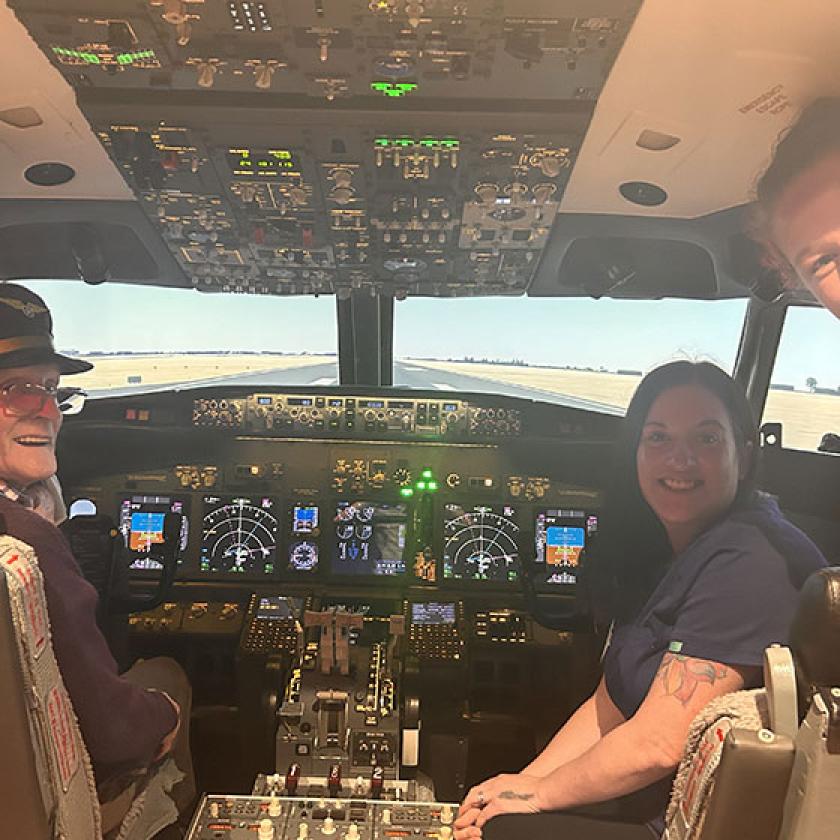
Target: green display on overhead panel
(394,89)
(131,58)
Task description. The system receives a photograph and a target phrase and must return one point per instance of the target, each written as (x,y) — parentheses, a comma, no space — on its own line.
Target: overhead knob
(342,195)
(550,166)
(274,807)
(342,177)
(352,832)
(206,74)
(517,191)
(445,833)
(266,830)
(415,13)
(303,831)
(543,192)
(298,196)
(446,815)
(174,11)
(262,76)
(487,193)
(328,826)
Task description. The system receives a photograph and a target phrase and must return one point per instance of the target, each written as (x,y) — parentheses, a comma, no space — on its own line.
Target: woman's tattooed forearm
(512,794)
(680,675)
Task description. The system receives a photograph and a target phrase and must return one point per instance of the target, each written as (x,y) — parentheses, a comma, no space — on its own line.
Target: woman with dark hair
(700,574)
(797,213)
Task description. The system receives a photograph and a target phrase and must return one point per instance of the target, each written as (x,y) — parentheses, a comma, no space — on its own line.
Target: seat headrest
(815,632)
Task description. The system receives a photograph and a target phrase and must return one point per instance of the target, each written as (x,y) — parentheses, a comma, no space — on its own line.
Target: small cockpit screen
(481,543)
(239,535)
(304,531)
(369,538)
(561,537)
(433,612)
(141,524)
(278,608)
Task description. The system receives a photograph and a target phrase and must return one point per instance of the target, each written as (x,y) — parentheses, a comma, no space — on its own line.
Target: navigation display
(141,524)
(239,535)
(433,612)
(481,543)
(561,537)
(369,538)
(304,531)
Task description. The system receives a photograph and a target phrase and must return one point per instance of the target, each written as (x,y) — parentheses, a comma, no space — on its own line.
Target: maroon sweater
(122,724)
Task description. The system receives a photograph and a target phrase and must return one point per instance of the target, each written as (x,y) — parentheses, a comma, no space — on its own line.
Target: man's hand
(169,740)
(505,794)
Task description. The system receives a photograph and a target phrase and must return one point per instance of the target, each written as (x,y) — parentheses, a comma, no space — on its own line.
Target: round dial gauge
(303,556)
(239,537)
(481,545)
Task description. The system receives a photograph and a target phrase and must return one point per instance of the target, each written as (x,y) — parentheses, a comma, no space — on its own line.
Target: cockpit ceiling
(437,147)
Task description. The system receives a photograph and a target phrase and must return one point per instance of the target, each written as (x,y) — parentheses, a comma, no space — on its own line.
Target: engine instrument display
(369,538)
(304,530)
(561,537)
(141,524)
(481,543)
(239,535)
(433,612)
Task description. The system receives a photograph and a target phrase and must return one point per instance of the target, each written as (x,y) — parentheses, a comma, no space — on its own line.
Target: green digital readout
(142,58)
(448,143)
(261,163)
(393,89)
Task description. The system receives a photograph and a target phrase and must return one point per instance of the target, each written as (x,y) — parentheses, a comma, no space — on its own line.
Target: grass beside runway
(114,371)
(805,416)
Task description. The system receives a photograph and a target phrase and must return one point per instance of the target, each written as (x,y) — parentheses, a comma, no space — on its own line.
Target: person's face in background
(688,461)
(805,226)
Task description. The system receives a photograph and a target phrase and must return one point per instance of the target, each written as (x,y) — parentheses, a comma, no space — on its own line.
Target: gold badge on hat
(29,309)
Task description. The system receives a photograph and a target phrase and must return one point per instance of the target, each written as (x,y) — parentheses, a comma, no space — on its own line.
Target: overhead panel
(412,148)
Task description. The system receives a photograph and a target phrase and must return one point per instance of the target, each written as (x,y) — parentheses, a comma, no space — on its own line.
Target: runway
(406,375)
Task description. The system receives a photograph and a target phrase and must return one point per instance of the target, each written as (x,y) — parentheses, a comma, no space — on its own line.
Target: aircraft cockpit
(367,288)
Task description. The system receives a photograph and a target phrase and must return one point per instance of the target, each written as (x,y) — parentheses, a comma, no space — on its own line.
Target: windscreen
(145,337)
(579,352)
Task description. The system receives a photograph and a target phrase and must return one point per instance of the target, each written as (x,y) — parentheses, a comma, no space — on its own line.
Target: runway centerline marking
(326,380)
(442,386)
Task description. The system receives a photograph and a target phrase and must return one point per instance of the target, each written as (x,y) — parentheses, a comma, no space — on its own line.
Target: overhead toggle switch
(206,74)
(183,33)
(262,76)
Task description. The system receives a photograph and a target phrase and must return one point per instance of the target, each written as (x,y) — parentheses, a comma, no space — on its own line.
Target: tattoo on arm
(512,794)
(680,675)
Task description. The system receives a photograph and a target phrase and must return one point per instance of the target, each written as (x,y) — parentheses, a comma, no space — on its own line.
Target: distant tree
(811,383)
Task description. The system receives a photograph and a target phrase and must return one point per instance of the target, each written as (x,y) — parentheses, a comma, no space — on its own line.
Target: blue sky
(581,333)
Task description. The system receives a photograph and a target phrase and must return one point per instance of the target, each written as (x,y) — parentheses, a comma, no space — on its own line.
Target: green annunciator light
(427,473)
(406,492)
(393,89)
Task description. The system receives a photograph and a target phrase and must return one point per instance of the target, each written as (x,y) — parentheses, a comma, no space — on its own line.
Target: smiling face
(27,444)
(687,461)
(805,226)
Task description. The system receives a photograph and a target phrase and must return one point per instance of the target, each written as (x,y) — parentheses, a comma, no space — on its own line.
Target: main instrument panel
(404,490)
(401,147)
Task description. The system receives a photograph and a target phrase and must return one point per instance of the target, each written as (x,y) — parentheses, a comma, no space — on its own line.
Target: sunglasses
(23,399)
